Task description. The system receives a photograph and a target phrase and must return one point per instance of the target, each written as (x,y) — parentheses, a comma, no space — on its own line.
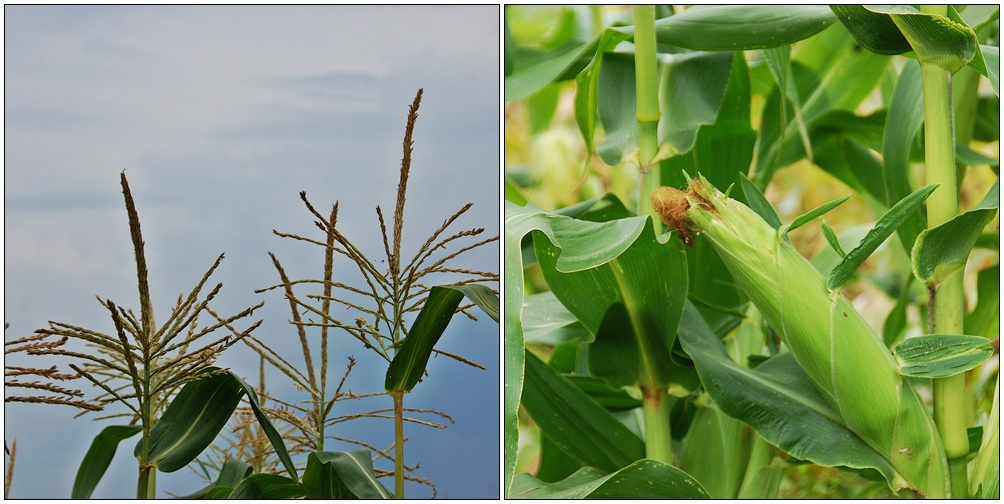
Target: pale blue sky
(220,116)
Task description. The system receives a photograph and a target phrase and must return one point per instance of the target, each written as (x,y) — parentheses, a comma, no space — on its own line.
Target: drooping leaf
(98,458)
(644,479)
(778,400)
(576,423)
(268,486)
(643,288)
(600,243)
(885,226)
(197,414)
(482,296)
(943,250)
(941,355)
(742,27)
(874,31)
(342,475)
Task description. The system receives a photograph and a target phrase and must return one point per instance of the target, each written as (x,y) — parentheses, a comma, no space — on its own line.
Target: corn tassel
(841,353)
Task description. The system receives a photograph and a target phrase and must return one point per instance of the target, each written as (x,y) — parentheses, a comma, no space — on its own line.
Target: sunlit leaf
(943,250)
(941,355)
(742,27)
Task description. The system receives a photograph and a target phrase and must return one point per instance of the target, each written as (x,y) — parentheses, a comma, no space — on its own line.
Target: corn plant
(389,298)
(710,358)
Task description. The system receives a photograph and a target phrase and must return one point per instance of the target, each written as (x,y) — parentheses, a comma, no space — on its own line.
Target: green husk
(841,353)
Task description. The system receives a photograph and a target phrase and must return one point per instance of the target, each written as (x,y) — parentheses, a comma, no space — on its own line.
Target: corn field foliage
(751,252)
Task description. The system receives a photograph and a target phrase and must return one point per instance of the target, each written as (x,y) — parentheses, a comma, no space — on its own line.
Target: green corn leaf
(758,203)
(778,400)
(742,27)
(984,470)
(342,475)
(411,358)
(273,435)
(984,320)
(510,47)
(631,304)
(482,296)
(523,82)
(644,479)
(268,486)
(885,226)
(546,320)
(943,250)
(231,474)
(811,215)
(941,355)
(197,415)
(98,458)
(594,244)
(895,322)
(692,88)
(831,238)
(513,194)
(895,29)
(574,422)
(716,452)
(903,121)
(192,420)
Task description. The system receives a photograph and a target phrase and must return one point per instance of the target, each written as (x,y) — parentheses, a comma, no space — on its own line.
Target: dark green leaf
(98,457)
(409,362)
(941,355)
(268,486)
(266,425)
(231,474)
(742,27)
(192,420)
(885,226)
(811,215)
(778,400)
(523,82)
(644,479)
(943,250)
(342,475)
(874,31)
(576,423)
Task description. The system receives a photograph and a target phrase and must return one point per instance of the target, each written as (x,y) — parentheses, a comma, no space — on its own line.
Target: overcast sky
(219,117)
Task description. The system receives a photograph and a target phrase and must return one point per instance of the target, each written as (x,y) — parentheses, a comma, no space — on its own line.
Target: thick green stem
(947,311)
(655,406)
(398,443)
(646,106)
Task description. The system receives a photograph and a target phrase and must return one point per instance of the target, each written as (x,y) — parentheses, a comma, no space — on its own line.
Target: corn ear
(841,353)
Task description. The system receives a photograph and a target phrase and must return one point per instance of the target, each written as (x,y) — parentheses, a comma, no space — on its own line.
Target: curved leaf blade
(192,420)
(99,457)
(943,250)
(778,400)
(599,244)
(342,475)
(644,479)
